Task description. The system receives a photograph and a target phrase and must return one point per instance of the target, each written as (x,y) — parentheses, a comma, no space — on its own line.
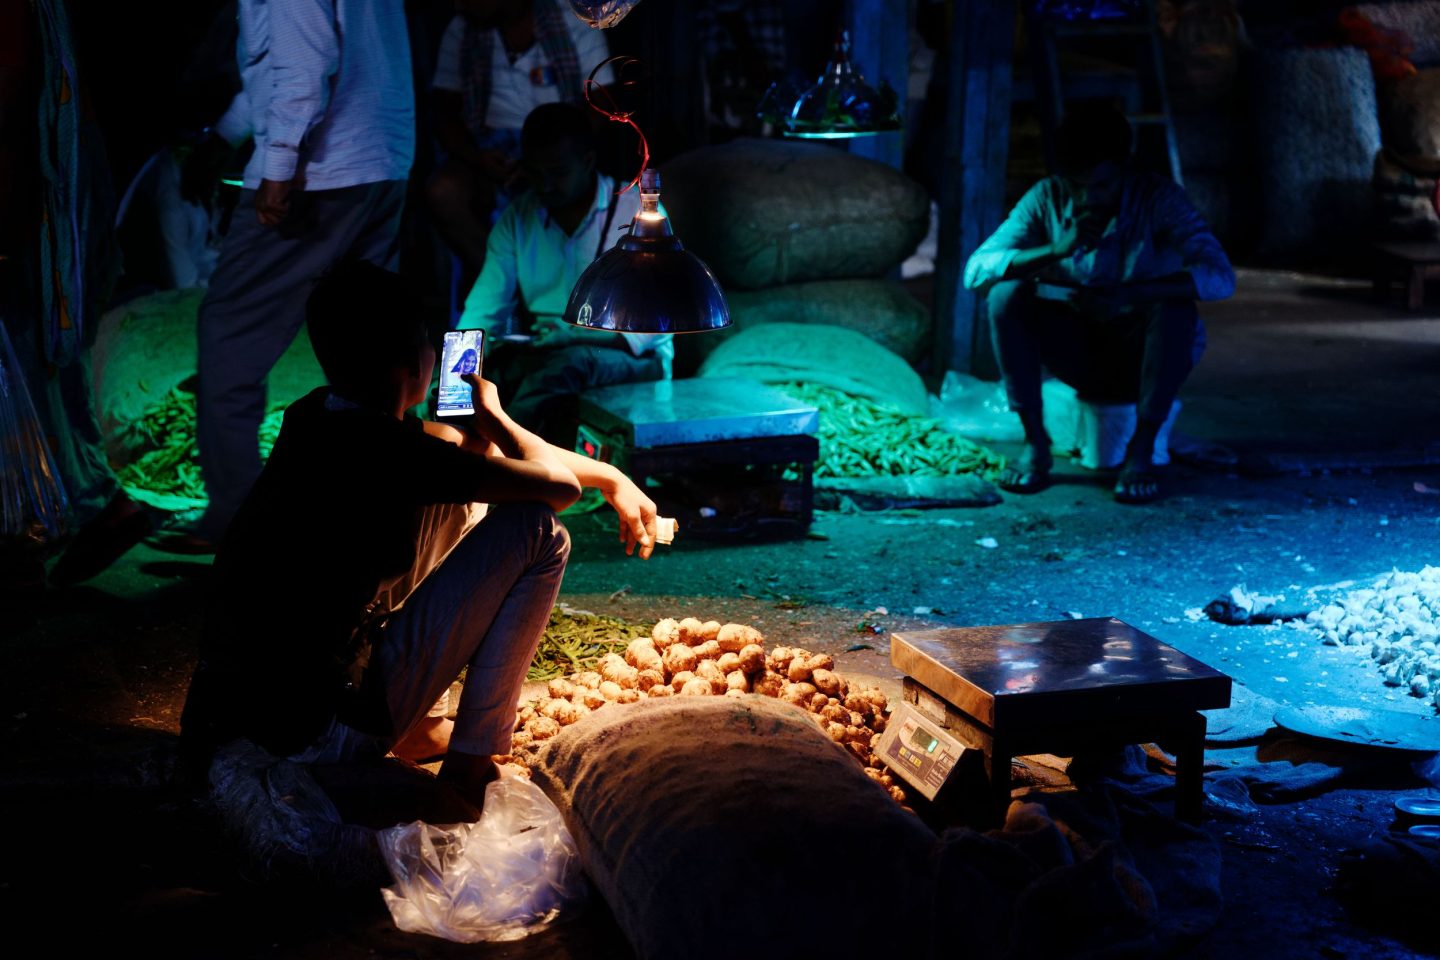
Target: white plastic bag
(504,877)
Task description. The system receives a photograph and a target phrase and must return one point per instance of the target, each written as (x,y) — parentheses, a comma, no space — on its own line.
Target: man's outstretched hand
(637,517)
(272,201)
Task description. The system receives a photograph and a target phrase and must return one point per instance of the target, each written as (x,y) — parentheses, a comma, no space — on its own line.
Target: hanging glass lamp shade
(648,282)
(841,104)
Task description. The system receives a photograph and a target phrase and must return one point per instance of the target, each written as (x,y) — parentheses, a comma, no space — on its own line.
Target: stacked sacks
(804,233)
(1407,168)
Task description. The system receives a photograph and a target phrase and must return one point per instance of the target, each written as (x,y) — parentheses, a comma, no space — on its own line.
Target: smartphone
(464,353)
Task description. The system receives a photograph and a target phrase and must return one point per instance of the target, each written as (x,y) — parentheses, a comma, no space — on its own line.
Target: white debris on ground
(1398,619)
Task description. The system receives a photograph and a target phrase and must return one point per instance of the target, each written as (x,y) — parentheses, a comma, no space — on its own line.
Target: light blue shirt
(529,255)
(1156,233)
(327,92)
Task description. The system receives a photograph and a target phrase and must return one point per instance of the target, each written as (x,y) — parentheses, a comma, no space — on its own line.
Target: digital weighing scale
(1061,688)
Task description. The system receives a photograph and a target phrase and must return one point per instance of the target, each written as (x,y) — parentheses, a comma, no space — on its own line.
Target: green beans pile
(862,438)
(166,459)
(576,641)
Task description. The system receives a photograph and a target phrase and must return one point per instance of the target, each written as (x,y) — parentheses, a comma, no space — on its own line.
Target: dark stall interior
(550,478)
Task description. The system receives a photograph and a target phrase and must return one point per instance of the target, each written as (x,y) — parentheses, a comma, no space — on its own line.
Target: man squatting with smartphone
(1128,256)
(364,570)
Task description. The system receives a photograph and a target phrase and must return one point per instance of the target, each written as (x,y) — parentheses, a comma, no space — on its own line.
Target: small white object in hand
(665,528)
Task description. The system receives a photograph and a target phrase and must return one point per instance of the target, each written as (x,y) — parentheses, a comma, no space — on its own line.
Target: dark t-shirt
(334,515)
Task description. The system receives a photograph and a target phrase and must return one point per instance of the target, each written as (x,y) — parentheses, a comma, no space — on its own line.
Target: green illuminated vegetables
(166,457)
(861,438)
(575,642)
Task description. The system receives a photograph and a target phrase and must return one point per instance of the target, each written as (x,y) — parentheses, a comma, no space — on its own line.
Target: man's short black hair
(1091,134)
(364,321)
(551,124)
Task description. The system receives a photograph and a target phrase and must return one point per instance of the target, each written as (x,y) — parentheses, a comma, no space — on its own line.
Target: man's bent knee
(1005,297)
(539,521)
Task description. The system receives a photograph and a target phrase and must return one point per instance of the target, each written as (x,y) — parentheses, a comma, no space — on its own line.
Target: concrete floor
(1300,374)
(1306,372)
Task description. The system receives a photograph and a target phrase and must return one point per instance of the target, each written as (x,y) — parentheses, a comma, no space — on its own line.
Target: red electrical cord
(592,89)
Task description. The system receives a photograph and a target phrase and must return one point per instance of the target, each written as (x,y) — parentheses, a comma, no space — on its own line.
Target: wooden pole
(880,48)
(972,193)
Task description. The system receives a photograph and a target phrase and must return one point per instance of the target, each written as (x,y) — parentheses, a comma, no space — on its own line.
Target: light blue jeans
(479,598)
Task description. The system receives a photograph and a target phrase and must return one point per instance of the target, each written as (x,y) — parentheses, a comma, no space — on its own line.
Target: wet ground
(104,848)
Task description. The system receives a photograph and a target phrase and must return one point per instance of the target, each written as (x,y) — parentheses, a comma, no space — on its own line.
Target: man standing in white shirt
(540,246)
(498,60)
(1094,276)
(329,101)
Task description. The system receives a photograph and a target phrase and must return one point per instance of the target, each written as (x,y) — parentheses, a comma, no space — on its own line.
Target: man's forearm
(1027,263)
(589,471)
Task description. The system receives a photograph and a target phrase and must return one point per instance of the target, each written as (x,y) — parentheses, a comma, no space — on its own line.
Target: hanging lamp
(602,14)
(838,106)
(648,282)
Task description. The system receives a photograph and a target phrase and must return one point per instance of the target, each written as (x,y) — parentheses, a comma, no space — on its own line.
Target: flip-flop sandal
(1427,808)
(1032,482)
(1123,494)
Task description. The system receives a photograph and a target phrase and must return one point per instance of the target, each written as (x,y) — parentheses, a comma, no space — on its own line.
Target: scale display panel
(918,751)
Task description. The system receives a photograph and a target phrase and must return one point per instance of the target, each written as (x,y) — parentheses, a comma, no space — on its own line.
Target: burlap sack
(1404,200)
(147,346)
(823,355)
(766,212)
(724,828)
(1419,20)
(883,311)
(1410,117)
(1317,133)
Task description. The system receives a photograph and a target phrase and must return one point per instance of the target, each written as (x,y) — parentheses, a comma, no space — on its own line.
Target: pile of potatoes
(688,658)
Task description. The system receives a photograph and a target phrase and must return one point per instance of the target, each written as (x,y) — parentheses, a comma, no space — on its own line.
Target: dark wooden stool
(1411,263)
(1062,688)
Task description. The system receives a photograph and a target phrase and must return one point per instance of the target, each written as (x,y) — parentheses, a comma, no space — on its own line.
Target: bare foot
(427,740)
(1029,472)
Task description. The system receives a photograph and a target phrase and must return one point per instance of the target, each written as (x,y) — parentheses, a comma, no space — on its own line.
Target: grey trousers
(254,308)
(483,608)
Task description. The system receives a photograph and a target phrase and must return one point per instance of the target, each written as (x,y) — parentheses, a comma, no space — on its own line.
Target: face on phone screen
(464,353)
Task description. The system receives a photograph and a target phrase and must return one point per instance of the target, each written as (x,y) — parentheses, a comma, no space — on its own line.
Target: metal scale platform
(1062,688)
(726,457)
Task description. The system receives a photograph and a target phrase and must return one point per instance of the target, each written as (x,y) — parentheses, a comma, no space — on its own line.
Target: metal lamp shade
(841,104)
(648,285)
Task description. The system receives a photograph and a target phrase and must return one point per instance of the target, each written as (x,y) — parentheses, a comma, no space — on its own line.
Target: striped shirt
(327,92)
(1155,234)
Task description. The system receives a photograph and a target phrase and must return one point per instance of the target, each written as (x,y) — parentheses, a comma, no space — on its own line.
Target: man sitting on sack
(540,246)
(1094,276)
(363,572)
